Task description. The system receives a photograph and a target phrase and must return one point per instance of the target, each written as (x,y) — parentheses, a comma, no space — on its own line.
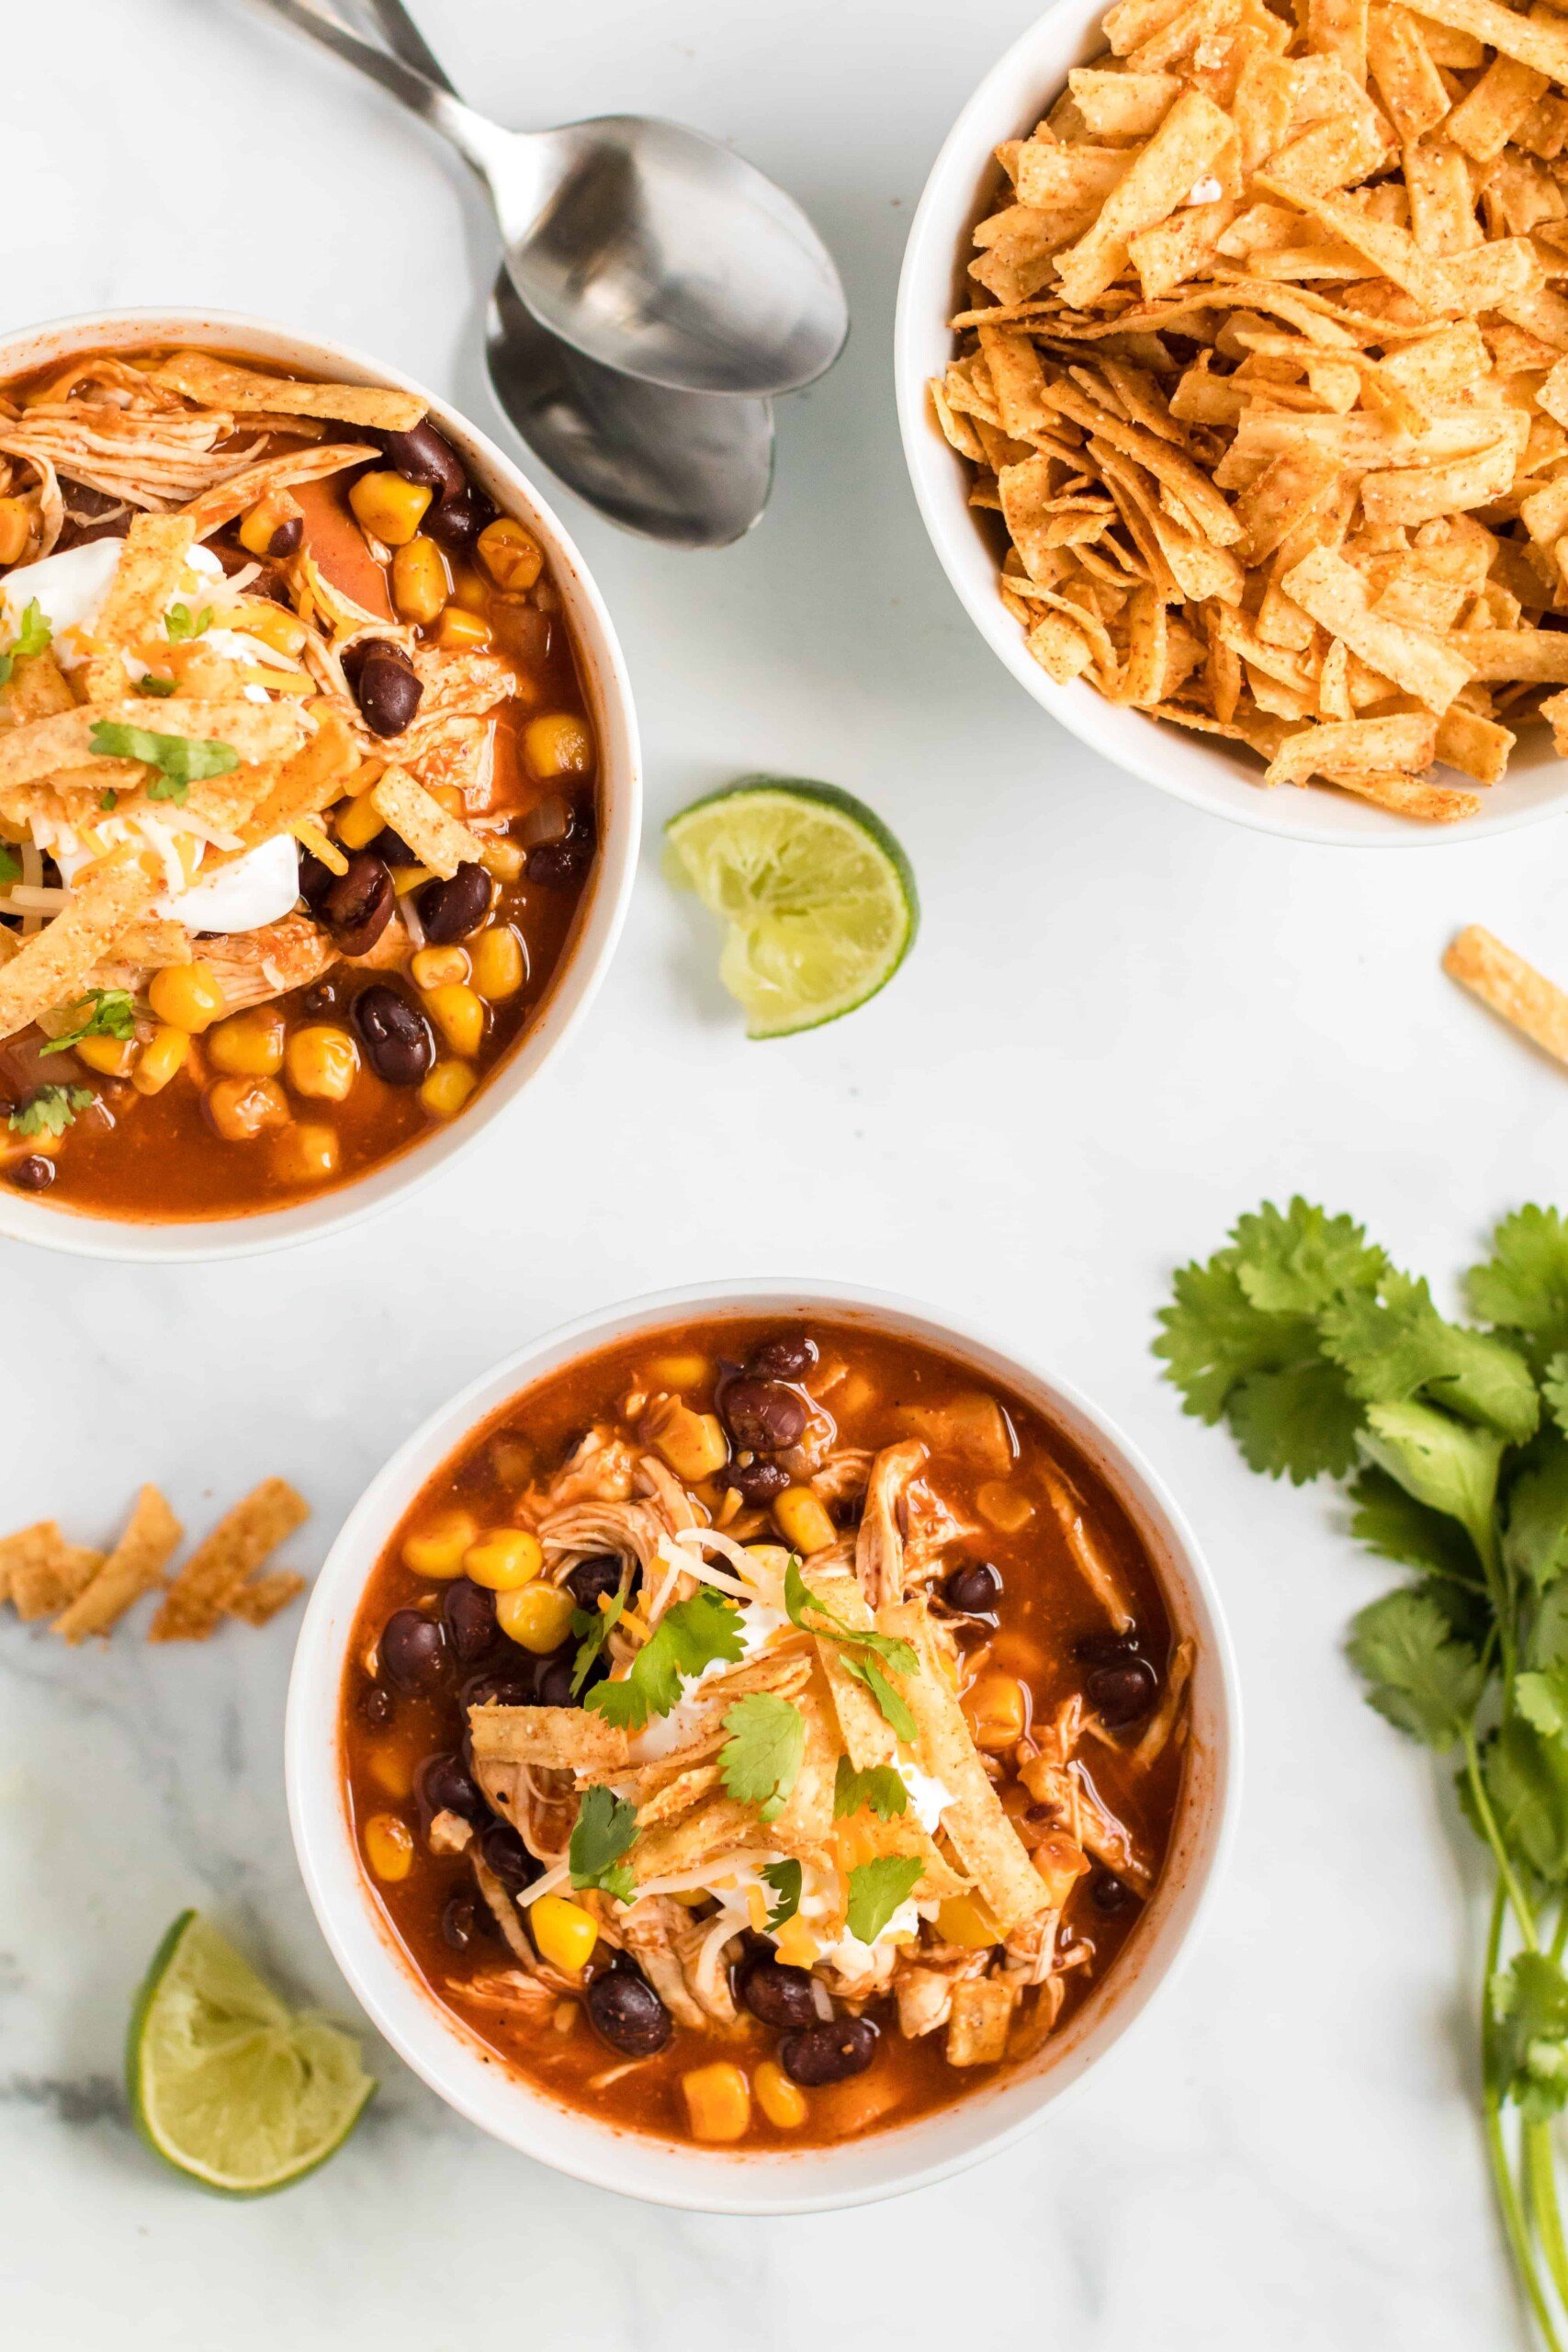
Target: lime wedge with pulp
(226,2082)
(818,898)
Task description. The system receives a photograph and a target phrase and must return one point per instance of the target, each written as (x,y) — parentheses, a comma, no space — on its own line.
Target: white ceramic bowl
(608,690)
(469,2077)
(1198,769)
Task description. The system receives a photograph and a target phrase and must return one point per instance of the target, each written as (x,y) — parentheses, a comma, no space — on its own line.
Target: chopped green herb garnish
(870,1657)
(33,636)
(10,865)
(593,1628)
(180,625)
(50,1111)
(107,1013)
(162,687)
(760,1760)
(880,1791)
(876,1889)
(786,1878)
(701,1632)
(180,761)
(606,1826)
(108,801)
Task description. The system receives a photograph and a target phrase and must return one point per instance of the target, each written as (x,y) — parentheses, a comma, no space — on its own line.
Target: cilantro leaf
(1394,1345)
(760,1760)
(34,633)
(593,1628)
(786,1878)
(1298,1422)
(867,1656)
(50,1111)
(10,867)
(1523,1286)
(1527,1781)
(1542,1700)
(108,801)
(1299,1262)
(1214,1336)
(1554,1388)
(180,625)
(1535,1539)
(694,1634)
(604,1827)
(160,687)
(180,761)
(1529,2011)
(891,1705)
(876,1889)
(1422,1679)
(881,1790)
(1394,1525)
(1444,1463)
(109,1013)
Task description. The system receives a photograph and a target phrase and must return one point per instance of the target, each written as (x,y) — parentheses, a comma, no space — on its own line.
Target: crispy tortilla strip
(150,571)
(1122,105)
(1409,82)
(256,731)
(1178,155)
(983,1838)
(231,1553)
(1491,110)
(1538,657)
(309,780)
(561,1738)
(437,840)
(224,501)
(1432,803)
(1413,494)
(134,1567)
(982,2010)
(715,1826)
(40,1572)
(259,1601)
(1540,39)
(216,383)
(676,1795)
(1512,988)
(39,689)
(805,1821)
(1390,250)
(1361,747)
(1337,29)
(1476,746)
(1328,588)
(53,967)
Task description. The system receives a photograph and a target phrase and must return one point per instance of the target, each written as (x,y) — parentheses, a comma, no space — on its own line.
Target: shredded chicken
(1057,1778)
(923,1988)
(254,966)
(879,1542)
(651,1927)
(843,1477)
(599,1470)
(703,1946)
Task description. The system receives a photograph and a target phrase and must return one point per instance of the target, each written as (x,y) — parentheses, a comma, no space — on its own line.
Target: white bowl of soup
(759,1747)
(966,185)
(277,1011)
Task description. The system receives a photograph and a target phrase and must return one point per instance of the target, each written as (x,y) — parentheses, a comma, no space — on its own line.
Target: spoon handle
(478,141)
(403,36)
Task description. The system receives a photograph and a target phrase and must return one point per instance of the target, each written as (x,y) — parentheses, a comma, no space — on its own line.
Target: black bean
(502,1687)
(420,455)
(391,848)
(287,539)
(450,910)
(508,1857)
(779,1995)
(758,1481)
(626,2011)
(567,859)
(358,906)
(783,1359)
(468,1611)
(384,685)
(1110,1894)
(413,1650)
(399,1042)
(554,1682)
(376,1704)
(89,514)
(446,1785)
(973,1590)
(321,1000)
(1120,1694)
(460,1922)
(1105,1649)
(315,879)
(593,1579)
(456,521)
(829,2053)
(34,1174)
(763,1416)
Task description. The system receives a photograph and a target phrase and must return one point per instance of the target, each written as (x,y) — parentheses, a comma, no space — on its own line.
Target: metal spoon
(687,467)
(644,244)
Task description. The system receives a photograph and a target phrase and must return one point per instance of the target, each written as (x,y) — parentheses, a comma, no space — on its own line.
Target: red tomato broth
(1044,1607)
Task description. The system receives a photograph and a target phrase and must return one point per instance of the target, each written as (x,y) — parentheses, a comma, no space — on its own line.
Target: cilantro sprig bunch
(1324,1358)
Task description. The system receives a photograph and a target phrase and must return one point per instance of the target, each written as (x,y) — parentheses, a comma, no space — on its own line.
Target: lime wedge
(226,2082)
(818,898)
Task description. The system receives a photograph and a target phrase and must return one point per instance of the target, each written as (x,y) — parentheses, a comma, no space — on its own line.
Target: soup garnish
(756,1729)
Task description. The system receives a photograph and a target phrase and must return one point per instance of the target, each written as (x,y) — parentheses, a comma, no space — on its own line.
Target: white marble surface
(1123,1023)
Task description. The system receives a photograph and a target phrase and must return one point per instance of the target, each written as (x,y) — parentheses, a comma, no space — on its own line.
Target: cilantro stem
(1540,2179)
(1488,1820)
(1497,2150)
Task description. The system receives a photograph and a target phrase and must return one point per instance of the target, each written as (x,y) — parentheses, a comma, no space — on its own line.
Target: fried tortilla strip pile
(40,1572)
(218,1572)
(137,1563)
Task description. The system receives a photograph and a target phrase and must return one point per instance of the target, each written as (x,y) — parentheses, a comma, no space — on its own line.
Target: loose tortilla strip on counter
(259,1601)
(40,1572)
(1512,988)
(561,1738)
(134,1567)
(255,731)
(983,1838)
(437,840)
(52,967)
(226,1559)
(216,383)
(224,501)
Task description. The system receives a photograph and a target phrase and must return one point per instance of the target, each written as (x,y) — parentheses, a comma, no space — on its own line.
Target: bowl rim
(434,2044)
(1184,765)
(607,685)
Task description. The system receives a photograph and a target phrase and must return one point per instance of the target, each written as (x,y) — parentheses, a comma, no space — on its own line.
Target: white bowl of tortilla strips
(1232,380)
(319,784)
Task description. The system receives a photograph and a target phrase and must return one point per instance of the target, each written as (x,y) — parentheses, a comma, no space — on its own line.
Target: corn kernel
(187,996)
(996,1709)
(964,1919)
(460,1015)
(16,529)
(461,633)
(795,1945)
(718,2101)
(248,1045)
(242,1108)
(448,1087)
(781,2101)
(163,1054)
(678,1371)
(803,1520)
(1007,1509)
(420,583)
(273,624)
(470,590)
(306,1154)
(410,878)
(511,556)
(557,744)
(435,967)
(450,797)
(504,859)
(358,823)
(390,508)
(437,1549)
(266,518)
(497,962)
(323,1061)
(563,1932)
(112,1057)
(536,1615)
(693,1444)
(389,1846)
(504,1559)
(391,1769)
